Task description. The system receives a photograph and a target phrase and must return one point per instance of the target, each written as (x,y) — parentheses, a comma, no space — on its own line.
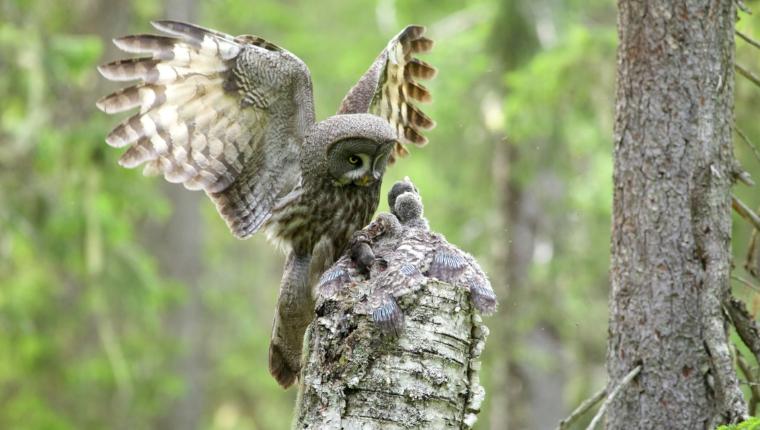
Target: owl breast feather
(313,211)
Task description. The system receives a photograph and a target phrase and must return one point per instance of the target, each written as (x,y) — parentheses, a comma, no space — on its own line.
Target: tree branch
(733,407)
(747,74)
(712,246)
(751,265)
(746,283)
(749,143)
(744,177)
(602,410)
(748,39)
(751,379)
(745,325)
(743,7)
(582,409)
(748,214)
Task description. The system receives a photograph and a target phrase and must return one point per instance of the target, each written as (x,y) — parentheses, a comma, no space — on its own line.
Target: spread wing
(389,88)
(217,113)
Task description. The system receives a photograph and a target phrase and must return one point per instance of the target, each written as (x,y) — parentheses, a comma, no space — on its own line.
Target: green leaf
(753,423)
(75,55)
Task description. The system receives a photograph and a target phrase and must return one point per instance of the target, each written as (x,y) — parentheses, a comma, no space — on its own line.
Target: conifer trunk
(672,216)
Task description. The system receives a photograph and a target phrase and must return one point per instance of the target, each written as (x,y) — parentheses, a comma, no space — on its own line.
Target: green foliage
(80,299)
(752,423)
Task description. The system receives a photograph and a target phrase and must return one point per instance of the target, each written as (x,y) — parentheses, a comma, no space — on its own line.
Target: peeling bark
(672,216)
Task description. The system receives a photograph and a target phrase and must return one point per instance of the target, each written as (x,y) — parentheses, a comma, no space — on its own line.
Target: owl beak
(376,173)
(366,180)
(369,178)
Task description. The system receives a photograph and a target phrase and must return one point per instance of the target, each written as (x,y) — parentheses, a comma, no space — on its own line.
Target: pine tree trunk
(672,216)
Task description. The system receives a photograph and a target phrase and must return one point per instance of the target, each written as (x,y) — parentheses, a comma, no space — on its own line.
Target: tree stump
(397,337)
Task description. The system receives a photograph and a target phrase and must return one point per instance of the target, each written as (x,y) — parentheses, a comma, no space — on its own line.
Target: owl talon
(446,266)
(389,318)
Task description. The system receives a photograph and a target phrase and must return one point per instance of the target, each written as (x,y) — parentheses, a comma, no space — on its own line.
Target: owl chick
(398,253)
(234,117)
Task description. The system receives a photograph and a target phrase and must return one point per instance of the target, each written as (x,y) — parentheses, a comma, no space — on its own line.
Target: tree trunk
(672,216)
(421,380)
(395,347)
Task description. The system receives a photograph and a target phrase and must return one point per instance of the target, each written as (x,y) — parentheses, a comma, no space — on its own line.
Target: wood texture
(425,379)
(672,216)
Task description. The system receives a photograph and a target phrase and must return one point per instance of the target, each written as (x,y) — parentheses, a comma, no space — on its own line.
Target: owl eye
(354,160)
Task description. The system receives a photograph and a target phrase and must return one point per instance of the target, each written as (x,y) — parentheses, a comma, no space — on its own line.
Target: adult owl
(234,117)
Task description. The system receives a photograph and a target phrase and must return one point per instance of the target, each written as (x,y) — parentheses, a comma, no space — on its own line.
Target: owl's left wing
(389,88)
(217,113)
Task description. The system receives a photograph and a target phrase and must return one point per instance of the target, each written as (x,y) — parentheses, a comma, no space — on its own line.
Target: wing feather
(217,113)
(389,88)
(158,46)
(419,69)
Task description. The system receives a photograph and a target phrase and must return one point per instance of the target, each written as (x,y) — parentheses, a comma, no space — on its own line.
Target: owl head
(358,160)
(350,149)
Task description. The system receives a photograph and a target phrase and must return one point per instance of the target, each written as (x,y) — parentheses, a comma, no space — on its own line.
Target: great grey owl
(234,117)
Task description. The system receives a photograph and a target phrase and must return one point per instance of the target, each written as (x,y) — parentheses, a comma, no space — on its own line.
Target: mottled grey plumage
(234,116)
(406,254)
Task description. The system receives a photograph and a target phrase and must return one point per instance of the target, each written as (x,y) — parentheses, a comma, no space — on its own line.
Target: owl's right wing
(390,88)
(217,113)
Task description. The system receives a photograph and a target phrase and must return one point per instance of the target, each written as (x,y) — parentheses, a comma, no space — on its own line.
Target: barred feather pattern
(217,113)
(391,89)
(307,215)
(234,117)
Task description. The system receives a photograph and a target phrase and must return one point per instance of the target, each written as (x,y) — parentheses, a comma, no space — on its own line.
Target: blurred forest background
(126,304)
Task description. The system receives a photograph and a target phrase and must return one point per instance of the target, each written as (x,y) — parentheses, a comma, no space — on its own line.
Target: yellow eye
(353,159)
